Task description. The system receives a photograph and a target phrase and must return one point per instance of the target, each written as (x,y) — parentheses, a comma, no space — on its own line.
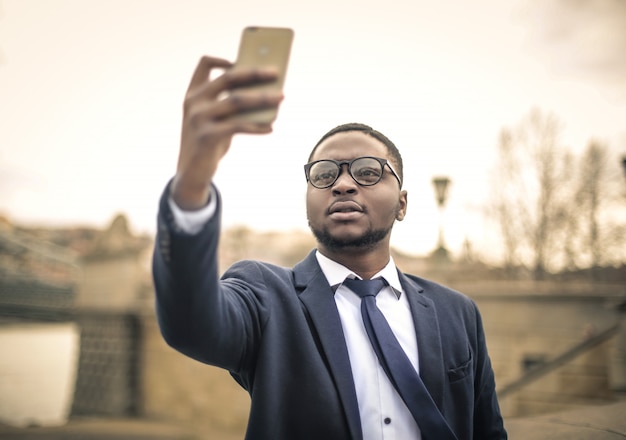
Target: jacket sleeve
(215,322)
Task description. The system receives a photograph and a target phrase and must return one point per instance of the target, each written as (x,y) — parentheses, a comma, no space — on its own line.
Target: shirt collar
(336,273)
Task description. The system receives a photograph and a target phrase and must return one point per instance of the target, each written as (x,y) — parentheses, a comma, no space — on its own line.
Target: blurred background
(510,117)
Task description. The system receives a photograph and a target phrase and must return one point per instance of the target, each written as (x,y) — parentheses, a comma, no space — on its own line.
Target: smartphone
(265,46)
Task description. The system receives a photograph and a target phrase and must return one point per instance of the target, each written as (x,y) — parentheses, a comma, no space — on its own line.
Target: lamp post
(441,185)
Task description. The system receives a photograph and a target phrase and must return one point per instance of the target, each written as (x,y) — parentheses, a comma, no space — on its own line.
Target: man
(298,340)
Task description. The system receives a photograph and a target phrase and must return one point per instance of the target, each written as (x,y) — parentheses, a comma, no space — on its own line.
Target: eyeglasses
(366,171)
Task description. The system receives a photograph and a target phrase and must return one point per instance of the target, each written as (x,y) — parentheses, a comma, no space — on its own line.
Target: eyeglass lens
(365,171)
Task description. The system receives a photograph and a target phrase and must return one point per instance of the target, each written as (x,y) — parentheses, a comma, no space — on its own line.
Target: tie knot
(365,288)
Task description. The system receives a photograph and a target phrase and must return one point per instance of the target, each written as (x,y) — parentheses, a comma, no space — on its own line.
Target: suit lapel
(429,347)
(318,298)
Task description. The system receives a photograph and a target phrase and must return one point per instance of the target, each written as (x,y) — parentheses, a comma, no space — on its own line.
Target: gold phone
(261,47)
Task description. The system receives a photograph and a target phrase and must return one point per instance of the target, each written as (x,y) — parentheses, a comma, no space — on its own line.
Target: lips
(345,207)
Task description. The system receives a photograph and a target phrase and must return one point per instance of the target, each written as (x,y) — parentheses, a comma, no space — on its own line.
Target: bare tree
(593,170)
(531,192)
(555,212)
(508,204)
(597,198)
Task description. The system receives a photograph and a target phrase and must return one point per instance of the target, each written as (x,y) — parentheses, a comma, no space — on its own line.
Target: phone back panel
(265,47)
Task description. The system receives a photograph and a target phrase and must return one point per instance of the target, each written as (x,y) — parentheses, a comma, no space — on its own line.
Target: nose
(344,184)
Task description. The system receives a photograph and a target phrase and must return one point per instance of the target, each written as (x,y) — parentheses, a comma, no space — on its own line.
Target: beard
(366,241)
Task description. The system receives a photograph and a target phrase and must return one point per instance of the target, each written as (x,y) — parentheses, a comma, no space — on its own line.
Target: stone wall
(528,324)
(179,389)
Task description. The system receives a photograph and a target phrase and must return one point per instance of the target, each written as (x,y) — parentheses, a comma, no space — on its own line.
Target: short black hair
(393,151)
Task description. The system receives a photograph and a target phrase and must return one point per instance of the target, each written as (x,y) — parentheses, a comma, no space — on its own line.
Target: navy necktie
(396,364)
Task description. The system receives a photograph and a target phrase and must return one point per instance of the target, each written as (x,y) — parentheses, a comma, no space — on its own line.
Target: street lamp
(441,185)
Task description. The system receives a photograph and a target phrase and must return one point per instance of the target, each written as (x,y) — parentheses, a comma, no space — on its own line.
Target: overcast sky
(91,91)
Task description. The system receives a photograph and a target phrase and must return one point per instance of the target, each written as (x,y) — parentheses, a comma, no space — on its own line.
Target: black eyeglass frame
(341,163)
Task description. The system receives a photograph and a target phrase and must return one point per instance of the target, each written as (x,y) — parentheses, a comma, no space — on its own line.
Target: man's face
(349,216)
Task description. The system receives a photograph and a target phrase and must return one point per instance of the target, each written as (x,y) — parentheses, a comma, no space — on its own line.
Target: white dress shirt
(383,412)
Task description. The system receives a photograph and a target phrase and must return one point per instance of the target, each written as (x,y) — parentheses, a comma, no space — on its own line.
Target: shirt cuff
(192,222)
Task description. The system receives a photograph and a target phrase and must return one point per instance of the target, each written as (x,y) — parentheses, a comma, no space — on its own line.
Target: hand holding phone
(264,47)
(207,126)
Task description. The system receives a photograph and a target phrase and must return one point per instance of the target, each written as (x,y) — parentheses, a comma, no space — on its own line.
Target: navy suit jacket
(277,330)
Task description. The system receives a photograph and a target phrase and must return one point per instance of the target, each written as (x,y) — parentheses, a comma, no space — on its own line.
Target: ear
(402,202)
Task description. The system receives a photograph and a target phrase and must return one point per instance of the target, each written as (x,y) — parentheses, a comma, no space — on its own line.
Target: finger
(203,69)
(234,104)
(241,77)
(230,80)
(211,130)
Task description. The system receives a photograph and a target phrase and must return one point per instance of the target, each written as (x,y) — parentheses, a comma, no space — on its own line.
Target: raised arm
(198,315)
